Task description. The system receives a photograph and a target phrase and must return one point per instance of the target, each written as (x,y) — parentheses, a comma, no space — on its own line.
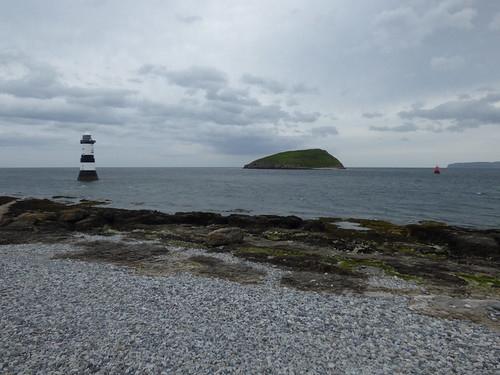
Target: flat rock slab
(225,236)
(485,311)
(154,259)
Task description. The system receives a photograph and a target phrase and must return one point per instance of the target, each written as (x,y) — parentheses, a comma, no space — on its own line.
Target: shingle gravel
(70,317)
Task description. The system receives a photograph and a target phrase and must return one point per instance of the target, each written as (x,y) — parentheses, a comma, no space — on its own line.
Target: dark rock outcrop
(43,214)
(460,241)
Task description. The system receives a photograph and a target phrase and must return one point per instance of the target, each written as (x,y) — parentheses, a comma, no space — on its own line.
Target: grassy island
(299,159)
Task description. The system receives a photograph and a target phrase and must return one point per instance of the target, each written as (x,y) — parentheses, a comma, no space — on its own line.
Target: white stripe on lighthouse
(87,149)
(87,166)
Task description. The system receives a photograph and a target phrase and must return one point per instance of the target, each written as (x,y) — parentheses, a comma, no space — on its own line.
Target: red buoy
(437,170)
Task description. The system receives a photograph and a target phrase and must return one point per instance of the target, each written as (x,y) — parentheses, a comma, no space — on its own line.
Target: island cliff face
(299,159)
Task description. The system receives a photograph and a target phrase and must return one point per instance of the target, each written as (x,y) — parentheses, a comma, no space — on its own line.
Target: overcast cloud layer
(219,83)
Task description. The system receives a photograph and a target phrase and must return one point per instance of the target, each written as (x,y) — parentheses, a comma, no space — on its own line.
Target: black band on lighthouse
(87,159)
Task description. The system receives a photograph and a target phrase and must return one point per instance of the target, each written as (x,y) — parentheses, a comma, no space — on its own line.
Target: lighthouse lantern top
(87,138)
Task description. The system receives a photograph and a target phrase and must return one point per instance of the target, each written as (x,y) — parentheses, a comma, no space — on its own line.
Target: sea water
(457,196)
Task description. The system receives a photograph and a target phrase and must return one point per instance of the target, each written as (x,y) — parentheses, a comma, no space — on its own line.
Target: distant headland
(478,164)
(298,159)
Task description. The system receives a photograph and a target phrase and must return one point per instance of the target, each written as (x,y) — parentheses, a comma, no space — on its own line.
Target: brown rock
(29,219)
(73,215)
(93,221)
(44,205)
(225,236)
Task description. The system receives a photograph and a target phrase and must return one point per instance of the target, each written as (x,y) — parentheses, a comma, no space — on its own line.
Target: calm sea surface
(457,196)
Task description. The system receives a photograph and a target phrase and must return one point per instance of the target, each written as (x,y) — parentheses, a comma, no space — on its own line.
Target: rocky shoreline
(87,289)
(448,271)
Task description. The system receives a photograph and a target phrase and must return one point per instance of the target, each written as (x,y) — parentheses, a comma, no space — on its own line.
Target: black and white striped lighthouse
(87,161)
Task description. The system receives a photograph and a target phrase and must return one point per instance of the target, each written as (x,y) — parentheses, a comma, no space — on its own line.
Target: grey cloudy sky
(221,82)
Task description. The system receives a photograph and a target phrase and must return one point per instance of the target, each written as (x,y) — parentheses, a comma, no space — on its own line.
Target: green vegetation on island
(300,159)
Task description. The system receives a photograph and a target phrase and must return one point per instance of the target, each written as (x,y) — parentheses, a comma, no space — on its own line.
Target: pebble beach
(73,317)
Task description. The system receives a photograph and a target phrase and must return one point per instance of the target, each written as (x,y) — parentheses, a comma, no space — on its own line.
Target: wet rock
(109,215)
(32,234)
(288,222)
(264,221)
(482,311)
(73,215)
(292,258)
(213,267)
(314,226)
(118,253)
(130,219)
(225,236)
(91,222)
(90,203)
(198,218)
(430,232)
(461,242)
(329,282)
(475,244)
(5,200)
(44,205)
(243,221)
(29,219)
(141,217)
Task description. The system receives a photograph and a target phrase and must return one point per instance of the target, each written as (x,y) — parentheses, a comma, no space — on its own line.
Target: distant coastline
(478,164)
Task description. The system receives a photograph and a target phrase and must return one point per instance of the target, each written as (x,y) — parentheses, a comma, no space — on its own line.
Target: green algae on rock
(299,159)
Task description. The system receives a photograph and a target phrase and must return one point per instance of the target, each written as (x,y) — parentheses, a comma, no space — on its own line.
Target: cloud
(40,94)
(42,81)
(195,77)
(189,19)
(408,25)
(224,104)
(495,23)
(324,131)
(17,139)
(443,63)
(251,143)
(263,83)
(461,114)
(298,116)
(407,127)
(216,112)
(275,87)
(371,115)
(57,110)
(302,88)
(213,66)
(230,95)
(487,89)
